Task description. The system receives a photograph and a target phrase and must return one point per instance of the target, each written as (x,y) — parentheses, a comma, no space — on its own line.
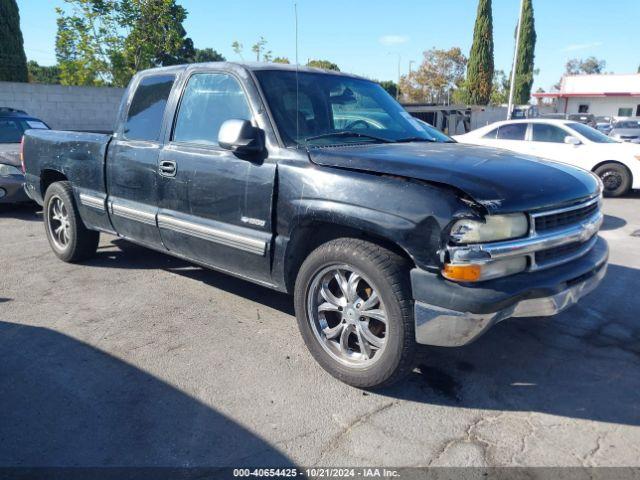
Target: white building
(601,95)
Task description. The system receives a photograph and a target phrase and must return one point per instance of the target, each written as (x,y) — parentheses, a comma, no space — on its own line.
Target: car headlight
(6,170)
(495,227)
(476,272)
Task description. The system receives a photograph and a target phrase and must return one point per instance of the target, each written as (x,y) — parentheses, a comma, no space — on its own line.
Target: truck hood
(499,180)
(10,154)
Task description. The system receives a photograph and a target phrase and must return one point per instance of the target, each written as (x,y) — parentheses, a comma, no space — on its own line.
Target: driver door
(215,208)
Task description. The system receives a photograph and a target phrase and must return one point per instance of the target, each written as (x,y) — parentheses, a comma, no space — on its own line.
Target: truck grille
(552,221)
(556,220)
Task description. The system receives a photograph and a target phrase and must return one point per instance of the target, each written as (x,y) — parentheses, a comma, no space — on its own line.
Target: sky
(371,37)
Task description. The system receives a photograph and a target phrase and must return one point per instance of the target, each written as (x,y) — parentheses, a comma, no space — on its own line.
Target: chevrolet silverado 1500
(320,184)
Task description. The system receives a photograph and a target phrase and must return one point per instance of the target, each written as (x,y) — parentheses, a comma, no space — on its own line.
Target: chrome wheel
(347,315)
(59,226)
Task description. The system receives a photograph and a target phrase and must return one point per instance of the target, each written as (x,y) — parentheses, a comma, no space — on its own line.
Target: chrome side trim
(92,201)
(497,250)
(449,328)
(216,235)
(132,214)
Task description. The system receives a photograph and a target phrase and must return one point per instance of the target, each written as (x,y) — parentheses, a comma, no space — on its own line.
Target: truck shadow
(66,403)
(584,363)
(133,256)
(29,212)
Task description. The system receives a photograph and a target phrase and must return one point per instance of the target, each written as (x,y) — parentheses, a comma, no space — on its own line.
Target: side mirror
(240,137)
(571,140)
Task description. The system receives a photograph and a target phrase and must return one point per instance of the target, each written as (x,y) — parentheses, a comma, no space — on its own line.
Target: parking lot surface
(136,358)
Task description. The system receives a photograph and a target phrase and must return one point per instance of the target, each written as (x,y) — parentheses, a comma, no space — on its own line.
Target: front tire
(355,312)
(615,177)
(70,240)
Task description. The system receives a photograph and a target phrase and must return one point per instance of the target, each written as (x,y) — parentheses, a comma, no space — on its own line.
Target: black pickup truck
(319,184)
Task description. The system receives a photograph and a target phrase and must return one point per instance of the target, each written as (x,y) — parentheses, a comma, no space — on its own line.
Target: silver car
(626,130)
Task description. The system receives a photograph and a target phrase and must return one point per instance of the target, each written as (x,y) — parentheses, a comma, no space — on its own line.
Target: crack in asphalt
(334,442)
(470,437)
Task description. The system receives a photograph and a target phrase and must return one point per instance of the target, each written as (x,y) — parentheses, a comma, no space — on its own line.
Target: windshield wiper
(347,133)
(416,139)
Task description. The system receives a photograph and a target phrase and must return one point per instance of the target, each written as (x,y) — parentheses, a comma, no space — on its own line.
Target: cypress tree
(525,56)
(480,67)
(13,61)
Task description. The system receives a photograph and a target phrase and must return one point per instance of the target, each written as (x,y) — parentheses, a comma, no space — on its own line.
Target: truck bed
(77,156)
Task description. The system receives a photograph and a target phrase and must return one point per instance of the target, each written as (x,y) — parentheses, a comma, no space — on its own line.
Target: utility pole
(515,61)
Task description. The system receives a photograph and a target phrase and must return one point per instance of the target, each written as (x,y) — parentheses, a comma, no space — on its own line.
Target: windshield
(325,109)
(590,133)
(627,124)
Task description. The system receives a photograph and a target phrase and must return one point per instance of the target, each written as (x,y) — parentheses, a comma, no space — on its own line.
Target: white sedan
(617,163)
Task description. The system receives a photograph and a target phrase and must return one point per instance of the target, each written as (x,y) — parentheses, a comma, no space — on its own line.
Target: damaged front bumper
(450,314)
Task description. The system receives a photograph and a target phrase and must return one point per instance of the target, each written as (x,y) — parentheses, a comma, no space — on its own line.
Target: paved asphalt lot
(136,358)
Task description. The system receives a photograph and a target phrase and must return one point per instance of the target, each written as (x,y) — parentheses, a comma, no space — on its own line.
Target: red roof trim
(586,94)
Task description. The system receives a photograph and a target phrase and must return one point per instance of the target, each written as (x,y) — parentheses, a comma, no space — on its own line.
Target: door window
(209,100)
(144,119)
(548,133)
(512,131)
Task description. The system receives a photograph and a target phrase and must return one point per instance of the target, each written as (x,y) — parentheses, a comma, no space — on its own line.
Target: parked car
(435,134)
(626,131)
(586,118)
(13,124)
(385,238)
(604,124)
(616,163)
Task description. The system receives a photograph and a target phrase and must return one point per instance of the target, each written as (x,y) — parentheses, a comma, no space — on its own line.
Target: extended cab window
(513,131)
(208,101)
(548,133)
(144,119)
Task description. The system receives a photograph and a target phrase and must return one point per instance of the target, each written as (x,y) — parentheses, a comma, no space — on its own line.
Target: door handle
(167,168)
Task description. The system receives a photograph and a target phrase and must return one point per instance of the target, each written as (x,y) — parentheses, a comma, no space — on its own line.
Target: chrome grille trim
(583,232)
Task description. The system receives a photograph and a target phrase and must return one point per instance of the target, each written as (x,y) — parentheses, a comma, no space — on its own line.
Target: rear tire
(70,240)
(615,177)
(359,328)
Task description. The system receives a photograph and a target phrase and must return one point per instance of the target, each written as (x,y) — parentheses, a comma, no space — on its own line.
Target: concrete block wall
(62,107)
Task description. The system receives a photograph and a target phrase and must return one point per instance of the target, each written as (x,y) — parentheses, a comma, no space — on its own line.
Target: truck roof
(252,66)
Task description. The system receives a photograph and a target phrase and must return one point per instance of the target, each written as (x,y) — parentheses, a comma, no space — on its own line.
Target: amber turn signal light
(462,273)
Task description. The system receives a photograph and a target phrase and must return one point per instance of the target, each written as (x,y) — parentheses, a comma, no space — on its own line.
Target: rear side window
(144,119)
(513,131)
(209,100)
(548,133)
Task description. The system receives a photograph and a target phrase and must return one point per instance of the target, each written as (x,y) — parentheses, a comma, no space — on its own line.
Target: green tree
(439,76)
(238,48)
(587,66)
(281,60)
(500,90)
(43,74)
(260,48)
(390,86)
(13,61)
(480,67)
(102,42)
(324,64)
(156,36)
(525,56)
(207,55)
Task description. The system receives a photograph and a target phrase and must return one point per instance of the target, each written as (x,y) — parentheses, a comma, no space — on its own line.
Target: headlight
(495,227)
(475,272)
(6,170)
